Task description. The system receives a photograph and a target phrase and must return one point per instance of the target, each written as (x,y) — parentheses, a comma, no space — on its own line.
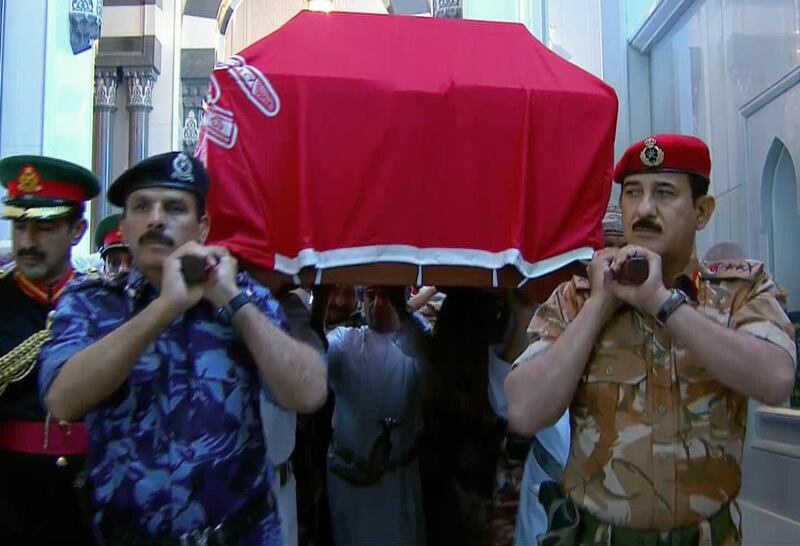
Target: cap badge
(182,168)
(652,155)
(29,180)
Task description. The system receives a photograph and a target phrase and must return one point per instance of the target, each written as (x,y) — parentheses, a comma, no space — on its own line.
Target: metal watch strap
(226,312)
(676,299)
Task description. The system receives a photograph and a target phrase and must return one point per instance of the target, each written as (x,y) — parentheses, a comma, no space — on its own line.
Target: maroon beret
(672,153)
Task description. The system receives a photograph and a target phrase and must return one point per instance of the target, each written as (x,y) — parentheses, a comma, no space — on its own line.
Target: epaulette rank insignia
(731,269)
(581,283)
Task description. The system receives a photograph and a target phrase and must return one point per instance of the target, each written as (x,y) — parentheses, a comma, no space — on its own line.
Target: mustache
(31,253)
(156,236)
(646,224)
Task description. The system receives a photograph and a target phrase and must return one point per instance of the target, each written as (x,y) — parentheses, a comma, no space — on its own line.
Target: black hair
(468,322)
(75,215)
(699,185)
(201,207)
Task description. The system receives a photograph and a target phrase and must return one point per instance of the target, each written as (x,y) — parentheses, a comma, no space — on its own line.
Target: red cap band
(46,189)
(113,237)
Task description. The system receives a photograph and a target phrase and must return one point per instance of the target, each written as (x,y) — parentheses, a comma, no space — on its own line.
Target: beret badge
(652,155)
(182,168)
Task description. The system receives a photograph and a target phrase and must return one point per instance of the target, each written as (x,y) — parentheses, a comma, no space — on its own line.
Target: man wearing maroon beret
(657,375)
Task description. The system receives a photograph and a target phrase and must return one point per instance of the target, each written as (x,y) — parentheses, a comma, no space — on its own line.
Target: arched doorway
(782,219)
(781,213)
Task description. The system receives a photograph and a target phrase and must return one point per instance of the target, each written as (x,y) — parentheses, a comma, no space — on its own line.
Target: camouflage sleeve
(72,331)
(762,315)
(550,321)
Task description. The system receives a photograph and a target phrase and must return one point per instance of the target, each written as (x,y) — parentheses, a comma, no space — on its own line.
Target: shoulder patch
(7,270)
(82,281)
(745,270)
(581,284)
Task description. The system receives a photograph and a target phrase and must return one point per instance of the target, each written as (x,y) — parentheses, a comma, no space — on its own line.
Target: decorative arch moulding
(660,21)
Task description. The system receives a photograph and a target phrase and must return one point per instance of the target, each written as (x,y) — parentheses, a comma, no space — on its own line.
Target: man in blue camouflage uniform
(168,373)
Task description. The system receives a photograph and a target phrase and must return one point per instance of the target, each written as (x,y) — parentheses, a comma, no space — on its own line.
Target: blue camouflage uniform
(179,447)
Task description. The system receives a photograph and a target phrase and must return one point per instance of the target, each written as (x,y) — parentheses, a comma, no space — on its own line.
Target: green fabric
(107,224)
(721,524)
(49,169)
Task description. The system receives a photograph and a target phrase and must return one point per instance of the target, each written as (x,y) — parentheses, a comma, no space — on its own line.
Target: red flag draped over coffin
(348,139)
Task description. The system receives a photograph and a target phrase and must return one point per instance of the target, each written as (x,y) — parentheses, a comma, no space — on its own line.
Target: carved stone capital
(140,88)
(191,131)
(105,89)
(85,19)
(448,9)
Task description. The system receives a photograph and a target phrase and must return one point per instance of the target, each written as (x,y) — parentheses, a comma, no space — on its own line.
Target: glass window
(574,32)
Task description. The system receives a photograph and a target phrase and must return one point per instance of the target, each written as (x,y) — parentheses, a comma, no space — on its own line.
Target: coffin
(355,149)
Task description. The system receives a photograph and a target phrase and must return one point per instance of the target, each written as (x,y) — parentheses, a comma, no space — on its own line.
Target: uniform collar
(688,280)
(136,284)
(40,292)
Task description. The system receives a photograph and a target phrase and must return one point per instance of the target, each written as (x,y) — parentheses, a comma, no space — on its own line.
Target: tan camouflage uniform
(656,440)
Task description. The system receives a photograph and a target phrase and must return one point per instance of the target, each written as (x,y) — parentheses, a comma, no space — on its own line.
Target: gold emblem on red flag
(29,180)
(652,155)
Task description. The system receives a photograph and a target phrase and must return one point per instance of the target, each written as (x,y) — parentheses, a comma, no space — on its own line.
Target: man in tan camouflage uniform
(656,376)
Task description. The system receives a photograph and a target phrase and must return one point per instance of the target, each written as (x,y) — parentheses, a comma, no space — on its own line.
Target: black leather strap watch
(226,312)
(676,299)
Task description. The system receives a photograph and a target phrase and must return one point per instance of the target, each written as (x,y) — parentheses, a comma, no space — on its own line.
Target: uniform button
(609,370)
(662,409)
(663,456)
(61,462)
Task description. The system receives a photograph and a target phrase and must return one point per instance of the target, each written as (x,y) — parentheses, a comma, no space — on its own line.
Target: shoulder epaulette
(581,283)
(86,280)
(6,271)
(745,270)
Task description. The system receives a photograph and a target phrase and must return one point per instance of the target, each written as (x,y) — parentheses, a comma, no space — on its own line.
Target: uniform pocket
(614,381)
(707,403)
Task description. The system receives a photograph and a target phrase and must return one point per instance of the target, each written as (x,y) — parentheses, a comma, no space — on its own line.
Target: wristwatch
(676,299)
(226,312)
